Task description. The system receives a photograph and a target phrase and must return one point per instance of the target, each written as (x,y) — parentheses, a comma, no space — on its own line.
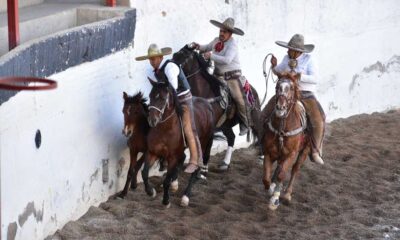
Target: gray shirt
(227,59)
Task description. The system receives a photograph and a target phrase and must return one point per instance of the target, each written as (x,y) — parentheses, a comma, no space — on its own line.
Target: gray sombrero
(228,24)
(154,51)
(297,43)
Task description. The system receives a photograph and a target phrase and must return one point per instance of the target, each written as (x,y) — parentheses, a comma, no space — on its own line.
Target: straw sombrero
(297,43)
(228,24)
(154,51)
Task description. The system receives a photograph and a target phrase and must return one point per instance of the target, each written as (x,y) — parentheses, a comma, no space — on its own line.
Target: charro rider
(298,65)
(179,82)
(224,51)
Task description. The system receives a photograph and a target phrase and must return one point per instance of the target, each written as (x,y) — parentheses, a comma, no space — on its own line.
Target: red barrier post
(13,23)
(111,3)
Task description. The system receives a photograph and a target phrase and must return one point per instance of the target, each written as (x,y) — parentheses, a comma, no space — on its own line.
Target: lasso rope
(267,76)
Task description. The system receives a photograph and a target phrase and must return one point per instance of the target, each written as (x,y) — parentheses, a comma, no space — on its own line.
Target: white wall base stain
(81,121)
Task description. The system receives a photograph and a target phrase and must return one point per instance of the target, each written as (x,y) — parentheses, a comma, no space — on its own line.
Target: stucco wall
(350,36)
(82,155)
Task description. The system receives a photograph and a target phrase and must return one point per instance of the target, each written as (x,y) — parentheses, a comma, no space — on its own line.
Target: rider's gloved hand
(274,62)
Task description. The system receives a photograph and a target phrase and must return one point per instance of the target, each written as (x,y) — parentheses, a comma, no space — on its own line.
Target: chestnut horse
(284,140)
(166,140)
(204,85)
(136,128)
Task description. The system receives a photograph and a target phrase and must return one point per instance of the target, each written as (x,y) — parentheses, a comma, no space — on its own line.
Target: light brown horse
(284,140)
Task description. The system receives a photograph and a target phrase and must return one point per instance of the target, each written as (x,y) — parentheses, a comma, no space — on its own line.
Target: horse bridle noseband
(162,110)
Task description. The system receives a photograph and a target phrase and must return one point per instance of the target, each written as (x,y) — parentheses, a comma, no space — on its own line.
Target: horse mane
(138,98)
(212,81)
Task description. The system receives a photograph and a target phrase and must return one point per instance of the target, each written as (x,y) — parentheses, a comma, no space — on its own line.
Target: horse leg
(138,165)
(188,191)
(271,189)
(131,174)
(267,172)
(206,156)
(230,135)
(149,159)
(284,165)
(166,184)
(295,169)
(175,183)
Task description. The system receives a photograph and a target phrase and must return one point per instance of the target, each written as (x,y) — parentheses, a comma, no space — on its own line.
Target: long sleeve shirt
(306,66)
(227,59)
(171,71)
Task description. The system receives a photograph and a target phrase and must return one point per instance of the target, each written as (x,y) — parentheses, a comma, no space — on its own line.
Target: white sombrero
(154,51)
(297,43)
(228,24)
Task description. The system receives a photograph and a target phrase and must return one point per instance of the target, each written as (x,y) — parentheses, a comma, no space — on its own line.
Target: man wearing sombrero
(179,82)
(298,65)
(224,51)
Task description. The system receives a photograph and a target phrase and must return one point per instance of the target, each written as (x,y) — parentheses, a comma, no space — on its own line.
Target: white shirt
(227,59)
(171,71)
(305,66)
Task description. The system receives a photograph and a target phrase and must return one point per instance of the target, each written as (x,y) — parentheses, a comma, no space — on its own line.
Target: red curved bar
(9,83)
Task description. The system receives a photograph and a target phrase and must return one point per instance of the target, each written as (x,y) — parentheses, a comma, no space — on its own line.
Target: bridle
(183,51)
(162,110)
(281,130)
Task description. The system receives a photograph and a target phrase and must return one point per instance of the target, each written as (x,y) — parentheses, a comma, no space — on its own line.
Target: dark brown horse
(136,128)
(207,86)
(165,138)
(284,140)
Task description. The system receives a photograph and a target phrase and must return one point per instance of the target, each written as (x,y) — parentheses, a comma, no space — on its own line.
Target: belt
(233,74)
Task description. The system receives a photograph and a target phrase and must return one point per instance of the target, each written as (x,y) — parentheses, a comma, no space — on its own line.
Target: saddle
(229,105)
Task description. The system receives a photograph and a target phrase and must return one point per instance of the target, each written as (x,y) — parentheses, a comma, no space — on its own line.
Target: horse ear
(125,95)
(151,82)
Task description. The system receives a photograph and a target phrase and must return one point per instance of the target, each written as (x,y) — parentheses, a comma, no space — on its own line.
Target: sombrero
(154,51)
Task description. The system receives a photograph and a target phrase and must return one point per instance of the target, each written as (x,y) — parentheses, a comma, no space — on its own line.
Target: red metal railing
(13,23)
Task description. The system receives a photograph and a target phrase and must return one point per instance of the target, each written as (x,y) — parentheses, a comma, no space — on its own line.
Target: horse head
(162,101)
(186,58)
(287,94)
(134,110)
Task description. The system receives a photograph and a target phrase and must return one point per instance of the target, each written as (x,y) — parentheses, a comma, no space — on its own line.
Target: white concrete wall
(349,36)
(80,123)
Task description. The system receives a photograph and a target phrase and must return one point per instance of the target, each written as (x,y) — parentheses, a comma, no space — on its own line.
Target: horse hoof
(120,195)
(287,197)
(223,167)
(174,186)
(133,186)
(274,202)
(154,193)
(185,201)
(272,206)
(167,206)
(271,189)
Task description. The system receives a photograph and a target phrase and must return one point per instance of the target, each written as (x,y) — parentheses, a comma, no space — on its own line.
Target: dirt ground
(355,195)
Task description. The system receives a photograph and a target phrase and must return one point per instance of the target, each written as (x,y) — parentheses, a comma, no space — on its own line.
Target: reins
(267,76)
